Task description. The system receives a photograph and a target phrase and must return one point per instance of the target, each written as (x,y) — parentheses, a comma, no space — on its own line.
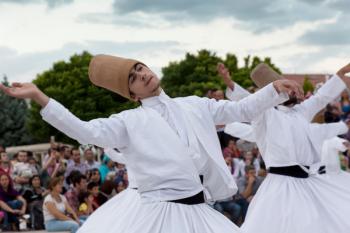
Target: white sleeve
(115,156)
(326,94)
(247,109)
(237,93)
(102,132)
(240,130)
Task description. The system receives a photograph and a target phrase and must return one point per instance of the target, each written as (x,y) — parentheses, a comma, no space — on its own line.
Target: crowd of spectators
(59,192)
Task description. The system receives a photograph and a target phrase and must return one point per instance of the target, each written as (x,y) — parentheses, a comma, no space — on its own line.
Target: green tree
(307,85)
(196,74)
(68,83)
(12,117)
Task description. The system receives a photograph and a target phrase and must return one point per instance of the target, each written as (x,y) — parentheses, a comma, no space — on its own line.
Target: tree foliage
(12,117)
(68,83)
(196,73)
(307,85)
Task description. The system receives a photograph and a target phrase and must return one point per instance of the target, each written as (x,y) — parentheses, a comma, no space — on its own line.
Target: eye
(139,68)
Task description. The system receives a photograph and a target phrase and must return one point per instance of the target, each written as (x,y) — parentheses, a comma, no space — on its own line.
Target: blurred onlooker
(11,202)
(85,204)
(230,207)
(55,208)
(109,186)
(66,151)
(34,196)
(231,150)
(248,159)
(249,183)
(345,104)
(219,95)
(98,199)
(79,183)
(54,164)
(5,163)
(76,163)
(121,186)
(90,159)
(22,171)
(107,166)
(332,113)
(94,176)
(344,163)
(210,93)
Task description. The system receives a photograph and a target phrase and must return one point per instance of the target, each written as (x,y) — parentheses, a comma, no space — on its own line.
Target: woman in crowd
(34,196)
(55,206)
(11,202)
(5,163)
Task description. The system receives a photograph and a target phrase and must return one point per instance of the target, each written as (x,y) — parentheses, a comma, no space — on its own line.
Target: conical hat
(263,75)
(112,73)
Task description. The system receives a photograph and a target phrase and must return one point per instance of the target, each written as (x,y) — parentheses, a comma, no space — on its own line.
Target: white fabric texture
(287,204)
(330,154)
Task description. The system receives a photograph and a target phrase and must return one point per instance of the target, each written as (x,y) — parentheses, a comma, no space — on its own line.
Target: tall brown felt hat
(263,75)
(112,73)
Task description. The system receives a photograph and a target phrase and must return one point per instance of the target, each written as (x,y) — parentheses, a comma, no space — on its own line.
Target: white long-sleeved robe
(165,168)
(286,137)
(283,134)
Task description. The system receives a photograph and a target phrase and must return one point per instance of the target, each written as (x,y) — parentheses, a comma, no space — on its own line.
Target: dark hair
(63,148)
(53,182)
(75,148)
(91,185)
(32,178)
(29,154)
(82,196)
(52,149)
(77,179)
(71,175)
(249,168)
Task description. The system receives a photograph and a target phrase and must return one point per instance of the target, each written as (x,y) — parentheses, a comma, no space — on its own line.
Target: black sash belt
(193,200)
(294,171)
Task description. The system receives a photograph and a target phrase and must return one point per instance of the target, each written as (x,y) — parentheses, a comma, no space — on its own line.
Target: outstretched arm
(326,94)
(234,92)
(249,108)
(103,132)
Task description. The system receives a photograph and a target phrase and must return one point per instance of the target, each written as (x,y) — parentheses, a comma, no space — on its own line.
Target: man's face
(76,156)
(22,157)
(89,156)
(143,82)
(219,95)
(67,153)
(251,173)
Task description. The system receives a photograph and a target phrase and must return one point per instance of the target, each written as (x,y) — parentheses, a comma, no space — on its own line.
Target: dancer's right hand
(344,70)
(26,91)
(224,73)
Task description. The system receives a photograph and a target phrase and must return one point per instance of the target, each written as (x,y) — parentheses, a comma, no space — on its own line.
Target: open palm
(20,90)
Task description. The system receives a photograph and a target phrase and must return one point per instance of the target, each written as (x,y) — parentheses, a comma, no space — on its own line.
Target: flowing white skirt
(125,213)
(318,204)
(116,215)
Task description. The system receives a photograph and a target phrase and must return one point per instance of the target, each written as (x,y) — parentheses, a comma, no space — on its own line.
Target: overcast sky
(301,36)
